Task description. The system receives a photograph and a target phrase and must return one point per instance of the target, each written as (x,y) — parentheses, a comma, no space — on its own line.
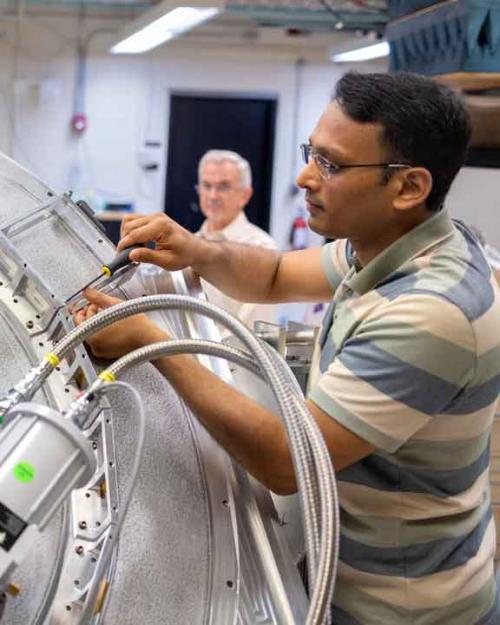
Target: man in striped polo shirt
(410,367)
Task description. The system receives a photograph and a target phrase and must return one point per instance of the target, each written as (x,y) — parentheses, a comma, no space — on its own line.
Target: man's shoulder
(456,271)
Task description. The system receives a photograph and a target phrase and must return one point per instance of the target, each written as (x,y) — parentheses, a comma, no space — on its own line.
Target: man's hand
(246,273)
(175,247)
(121,337)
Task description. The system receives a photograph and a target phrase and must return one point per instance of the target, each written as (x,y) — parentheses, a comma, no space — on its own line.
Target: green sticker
(24,472)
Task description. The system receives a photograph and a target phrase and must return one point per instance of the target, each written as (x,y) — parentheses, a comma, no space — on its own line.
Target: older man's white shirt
(240,231)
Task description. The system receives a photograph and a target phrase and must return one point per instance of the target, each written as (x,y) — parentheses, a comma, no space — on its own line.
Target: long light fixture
(164,23)
(366,53)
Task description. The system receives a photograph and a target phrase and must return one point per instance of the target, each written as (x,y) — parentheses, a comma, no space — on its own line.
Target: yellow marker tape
(52,359)
(106,271)
(107,376)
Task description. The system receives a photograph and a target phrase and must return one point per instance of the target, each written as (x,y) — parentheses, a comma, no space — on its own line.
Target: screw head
(82,525)
(30,324)
(79,549)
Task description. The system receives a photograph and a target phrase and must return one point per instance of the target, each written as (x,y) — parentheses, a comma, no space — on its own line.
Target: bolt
(82,525)
(13,590)
(29,324)
(94,445)
(79,550)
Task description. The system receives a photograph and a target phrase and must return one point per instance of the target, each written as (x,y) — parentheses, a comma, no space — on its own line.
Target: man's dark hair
(424,123)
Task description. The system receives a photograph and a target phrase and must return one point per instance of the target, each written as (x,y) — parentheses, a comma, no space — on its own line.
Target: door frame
(272,96)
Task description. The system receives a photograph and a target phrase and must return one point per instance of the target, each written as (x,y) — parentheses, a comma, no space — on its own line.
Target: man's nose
(213,192)
(308,177)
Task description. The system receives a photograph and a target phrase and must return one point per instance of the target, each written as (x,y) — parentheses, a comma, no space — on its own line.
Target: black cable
(327,6)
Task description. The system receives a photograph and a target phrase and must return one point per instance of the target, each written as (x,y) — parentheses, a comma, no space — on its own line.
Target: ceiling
(295,16)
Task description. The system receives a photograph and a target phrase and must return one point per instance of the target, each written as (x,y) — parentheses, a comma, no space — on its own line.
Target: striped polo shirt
(411,363)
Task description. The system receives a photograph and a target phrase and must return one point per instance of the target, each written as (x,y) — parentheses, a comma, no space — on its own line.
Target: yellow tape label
(107,376)
(52,359)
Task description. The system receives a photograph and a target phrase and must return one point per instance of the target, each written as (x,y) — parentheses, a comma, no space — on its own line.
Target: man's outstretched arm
(244,272)
(254,436)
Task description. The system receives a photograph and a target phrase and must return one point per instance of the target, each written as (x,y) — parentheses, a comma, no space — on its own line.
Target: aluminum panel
(198,546)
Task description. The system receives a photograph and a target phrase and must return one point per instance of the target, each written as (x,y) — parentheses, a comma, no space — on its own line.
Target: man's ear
(247,195)
(413,188)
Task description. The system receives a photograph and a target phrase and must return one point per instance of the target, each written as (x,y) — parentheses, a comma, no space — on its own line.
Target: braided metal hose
(179,302)
(327,565)
(325,571)
(313,469)
(184,346)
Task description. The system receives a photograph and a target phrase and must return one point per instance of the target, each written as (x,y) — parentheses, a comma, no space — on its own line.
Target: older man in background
(225,188)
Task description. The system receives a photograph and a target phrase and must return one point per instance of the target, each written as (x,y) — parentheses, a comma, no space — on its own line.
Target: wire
(141,417)
(112,538)
(330,10)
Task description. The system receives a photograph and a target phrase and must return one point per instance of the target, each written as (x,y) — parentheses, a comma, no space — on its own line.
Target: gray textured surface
(14,361)
(62,261)
(15,201)
(33,576)
(163,564)
(164,567)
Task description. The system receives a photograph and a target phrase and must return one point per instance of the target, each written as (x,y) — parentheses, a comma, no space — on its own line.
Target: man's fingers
(127,223)
(149,230)
(100,300)
(145,255)
(90,311)
(79,317)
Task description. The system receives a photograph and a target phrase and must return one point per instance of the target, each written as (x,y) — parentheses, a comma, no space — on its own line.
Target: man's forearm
(252,435)
(247,273)
(244,272)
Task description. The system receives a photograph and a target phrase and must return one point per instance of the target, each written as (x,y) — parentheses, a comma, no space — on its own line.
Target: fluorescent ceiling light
(374,51)
(164,28)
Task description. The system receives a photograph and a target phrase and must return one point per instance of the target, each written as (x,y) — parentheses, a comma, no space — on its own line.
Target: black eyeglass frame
(328,169)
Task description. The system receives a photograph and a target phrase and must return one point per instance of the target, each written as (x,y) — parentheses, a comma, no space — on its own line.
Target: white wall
(127,102)
(475,199)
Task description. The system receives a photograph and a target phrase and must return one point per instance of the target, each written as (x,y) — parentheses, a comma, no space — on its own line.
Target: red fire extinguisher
(299,233)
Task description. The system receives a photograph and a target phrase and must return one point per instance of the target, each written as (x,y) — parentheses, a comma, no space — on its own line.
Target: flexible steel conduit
(326,573)
(303,468)
(313,468)
(327,567)
(211,348)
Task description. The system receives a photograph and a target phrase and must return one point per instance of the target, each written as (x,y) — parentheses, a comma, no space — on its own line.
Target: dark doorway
(202,122)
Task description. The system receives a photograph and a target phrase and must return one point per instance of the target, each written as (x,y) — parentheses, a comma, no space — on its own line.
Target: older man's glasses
(221,187)
(327,169)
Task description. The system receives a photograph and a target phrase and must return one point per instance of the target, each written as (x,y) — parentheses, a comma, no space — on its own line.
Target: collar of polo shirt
(412,244)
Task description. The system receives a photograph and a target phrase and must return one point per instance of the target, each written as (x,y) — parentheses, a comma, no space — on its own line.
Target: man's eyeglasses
(328,169)
(221,187)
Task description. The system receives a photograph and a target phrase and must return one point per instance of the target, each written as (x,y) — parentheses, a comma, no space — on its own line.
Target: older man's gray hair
(220,156)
